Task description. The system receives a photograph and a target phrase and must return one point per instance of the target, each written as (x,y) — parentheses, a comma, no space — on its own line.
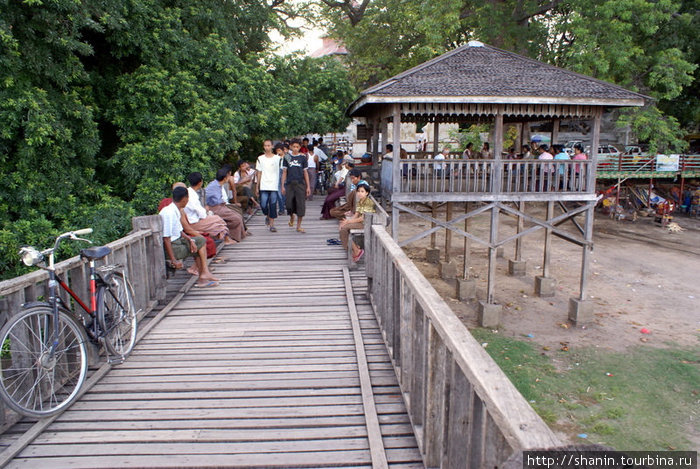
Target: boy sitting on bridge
(178,245)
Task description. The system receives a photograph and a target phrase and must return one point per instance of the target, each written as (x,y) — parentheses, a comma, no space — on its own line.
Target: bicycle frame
(55,281)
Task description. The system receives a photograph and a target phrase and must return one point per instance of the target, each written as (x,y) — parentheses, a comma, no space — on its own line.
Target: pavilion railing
(141,255)
(464,410)
(477,176)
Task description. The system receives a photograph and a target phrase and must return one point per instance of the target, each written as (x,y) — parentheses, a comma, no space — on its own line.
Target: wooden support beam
(520,226)
(436,137)
(396,179)
(595,142)
(497,181)
(587,249)
(433,235)
(440,224)
(555,131)
(548,242)
(493,239)
(573,220)
(448,233)
(465,272)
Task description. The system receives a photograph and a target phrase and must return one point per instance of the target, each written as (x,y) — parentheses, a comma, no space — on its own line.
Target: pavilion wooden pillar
(433,205)
(580,309)
(496,187)
(396,168)
(376,151)
(555,132)
(489,314)
(517,266)
(384,130)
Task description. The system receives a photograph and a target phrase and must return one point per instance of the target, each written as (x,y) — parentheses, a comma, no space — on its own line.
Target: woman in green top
(363,205)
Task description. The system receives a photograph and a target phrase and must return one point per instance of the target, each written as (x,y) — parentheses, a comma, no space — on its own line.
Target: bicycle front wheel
(34,381)
(116,313)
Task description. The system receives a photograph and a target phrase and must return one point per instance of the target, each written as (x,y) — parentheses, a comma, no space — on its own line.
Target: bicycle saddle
(98,252)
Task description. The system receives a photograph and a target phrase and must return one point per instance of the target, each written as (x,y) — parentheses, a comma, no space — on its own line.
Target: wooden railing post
(154,254)
(464,411)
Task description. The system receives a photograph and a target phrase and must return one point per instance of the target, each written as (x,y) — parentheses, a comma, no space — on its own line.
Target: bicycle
(45,356)
(323,177)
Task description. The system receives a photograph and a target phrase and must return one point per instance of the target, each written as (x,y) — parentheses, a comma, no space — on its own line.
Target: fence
(464,410)
(141,254)
(644,164)
(477,176)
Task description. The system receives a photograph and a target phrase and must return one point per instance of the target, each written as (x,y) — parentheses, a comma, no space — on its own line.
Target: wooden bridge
(292,361)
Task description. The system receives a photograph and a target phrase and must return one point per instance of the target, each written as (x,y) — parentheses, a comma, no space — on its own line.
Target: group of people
(195,212)
(283,179)
(348,182)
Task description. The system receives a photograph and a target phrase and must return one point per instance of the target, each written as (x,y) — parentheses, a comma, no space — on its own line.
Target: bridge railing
(645,164)
(141,254)
(464,410)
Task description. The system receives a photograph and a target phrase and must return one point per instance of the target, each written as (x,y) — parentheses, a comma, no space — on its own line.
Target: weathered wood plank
(260,371)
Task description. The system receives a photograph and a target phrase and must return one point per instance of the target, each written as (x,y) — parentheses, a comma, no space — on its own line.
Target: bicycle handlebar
(84,231)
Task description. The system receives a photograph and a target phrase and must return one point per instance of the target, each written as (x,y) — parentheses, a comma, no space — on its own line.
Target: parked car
(636,151)
(569,146)
(606,153)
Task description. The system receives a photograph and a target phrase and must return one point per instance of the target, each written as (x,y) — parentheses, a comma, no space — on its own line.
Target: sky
(306,44)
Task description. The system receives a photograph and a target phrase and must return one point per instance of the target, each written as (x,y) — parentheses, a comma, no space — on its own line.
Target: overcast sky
(307,44)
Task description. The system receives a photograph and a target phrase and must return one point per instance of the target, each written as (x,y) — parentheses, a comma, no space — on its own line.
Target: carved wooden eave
(457,108)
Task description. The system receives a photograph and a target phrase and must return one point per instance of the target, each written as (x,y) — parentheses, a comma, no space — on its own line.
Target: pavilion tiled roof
(480,73)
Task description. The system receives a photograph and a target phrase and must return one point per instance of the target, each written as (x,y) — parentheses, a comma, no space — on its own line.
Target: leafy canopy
(105,103)
(649,46)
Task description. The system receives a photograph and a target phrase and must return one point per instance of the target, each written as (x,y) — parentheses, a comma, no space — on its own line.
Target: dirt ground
(642,277)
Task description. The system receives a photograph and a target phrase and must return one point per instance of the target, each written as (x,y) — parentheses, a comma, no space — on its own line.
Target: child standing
(295,183)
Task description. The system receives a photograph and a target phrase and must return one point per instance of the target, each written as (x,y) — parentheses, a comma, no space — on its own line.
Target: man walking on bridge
(295,183)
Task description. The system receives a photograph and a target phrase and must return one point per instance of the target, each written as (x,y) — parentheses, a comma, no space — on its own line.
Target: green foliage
(105,103)
(649,46)
(470,135)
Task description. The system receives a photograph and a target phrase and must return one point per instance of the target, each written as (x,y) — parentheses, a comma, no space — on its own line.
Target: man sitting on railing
(178,245)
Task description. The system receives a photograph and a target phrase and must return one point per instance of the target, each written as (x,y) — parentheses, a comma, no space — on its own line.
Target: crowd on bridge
(284,177)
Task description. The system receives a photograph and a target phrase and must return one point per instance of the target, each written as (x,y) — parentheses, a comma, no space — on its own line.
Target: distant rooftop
(329,47)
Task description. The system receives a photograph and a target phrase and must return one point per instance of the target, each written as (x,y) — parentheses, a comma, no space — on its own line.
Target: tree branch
(542,9)
(354,11)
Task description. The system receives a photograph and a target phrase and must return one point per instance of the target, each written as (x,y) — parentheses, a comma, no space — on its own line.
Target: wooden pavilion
(477,83)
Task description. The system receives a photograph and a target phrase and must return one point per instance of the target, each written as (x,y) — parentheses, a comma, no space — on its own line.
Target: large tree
(105,103)
(646,45)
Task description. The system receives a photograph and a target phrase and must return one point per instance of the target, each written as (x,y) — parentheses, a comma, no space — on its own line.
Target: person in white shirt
(316,157)
(197,215)
(439,166)
(338,189)
(178,245)
(268,171)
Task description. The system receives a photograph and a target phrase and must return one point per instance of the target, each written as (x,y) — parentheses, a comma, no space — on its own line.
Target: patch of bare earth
(642,276)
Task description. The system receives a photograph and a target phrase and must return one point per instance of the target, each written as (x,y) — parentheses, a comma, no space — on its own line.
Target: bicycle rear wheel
(116,314)
(34,382)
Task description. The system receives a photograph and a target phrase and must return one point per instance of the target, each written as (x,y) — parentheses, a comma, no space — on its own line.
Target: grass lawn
(644,399)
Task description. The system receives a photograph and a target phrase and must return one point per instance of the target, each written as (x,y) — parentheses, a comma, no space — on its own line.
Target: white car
(606,153)
(569,147)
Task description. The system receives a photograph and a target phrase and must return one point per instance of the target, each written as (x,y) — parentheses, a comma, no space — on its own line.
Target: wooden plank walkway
(261,371)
